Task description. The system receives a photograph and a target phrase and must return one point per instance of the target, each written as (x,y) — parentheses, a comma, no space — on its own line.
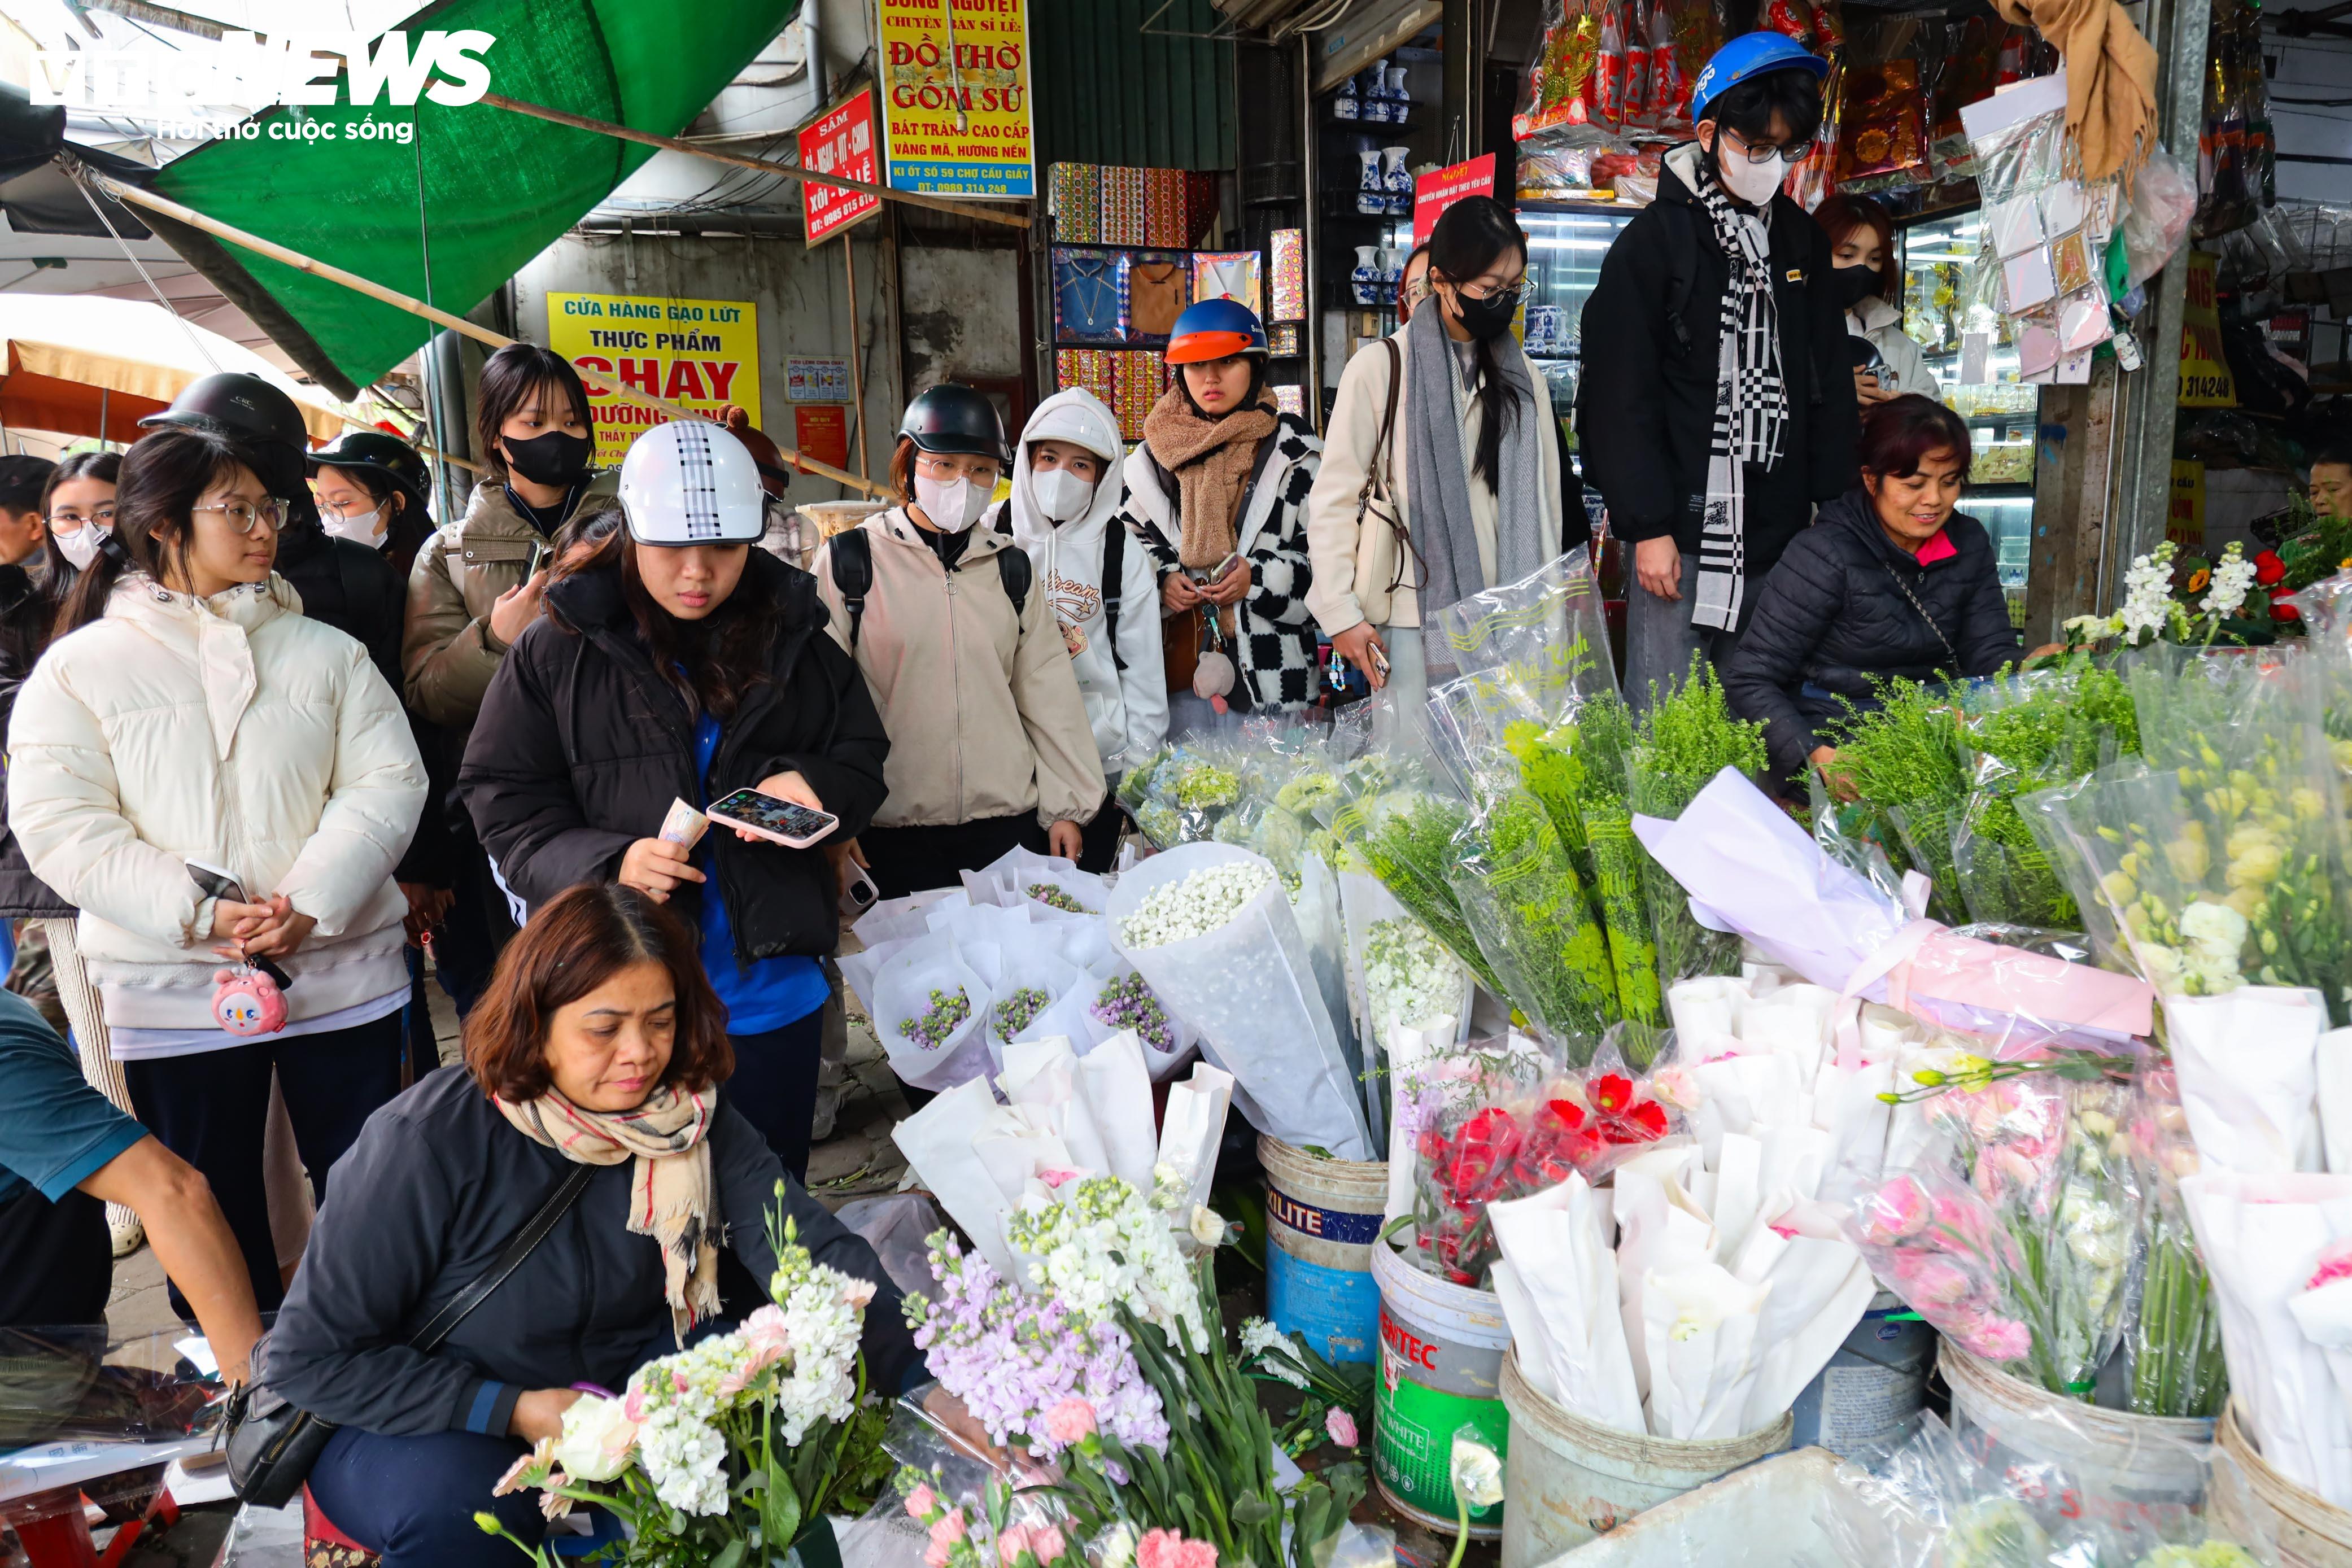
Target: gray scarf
(1437,477)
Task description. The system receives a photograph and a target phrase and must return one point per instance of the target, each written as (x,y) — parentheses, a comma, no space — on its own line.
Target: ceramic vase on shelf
(1371,186)
(1345,104)
(1373,94)
(1398,180)
(1364,282)
(1400,105)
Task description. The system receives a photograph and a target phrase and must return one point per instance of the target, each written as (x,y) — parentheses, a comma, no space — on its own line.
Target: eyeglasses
(348,509)
(241,516)
(1755,152)
(103,517)
(950,468)
(1507,297)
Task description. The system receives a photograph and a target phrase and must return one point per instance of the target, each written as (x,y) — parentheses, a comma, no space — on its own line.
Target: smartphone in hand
(771,817)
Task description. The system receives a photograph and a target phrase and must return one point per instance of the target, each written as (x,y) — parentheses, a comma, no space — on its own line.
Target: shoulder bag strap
(1904,588)
(853,574)
(1377,472)
(1114,573)
(518,1247)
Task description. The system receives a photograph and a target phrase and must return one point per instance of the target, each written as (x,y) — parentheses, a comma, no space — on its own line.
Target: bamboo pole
(458,324)
(857,359)
(764,165)
(356,423)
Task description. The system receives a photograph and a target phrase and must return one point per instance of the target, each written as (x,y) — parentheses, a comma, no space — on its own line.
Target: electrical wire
(1321,20)
(75,171)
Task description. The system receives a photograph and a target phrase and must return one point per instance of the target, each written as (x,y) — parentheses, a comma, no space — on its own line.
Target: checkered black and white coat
(1277,634)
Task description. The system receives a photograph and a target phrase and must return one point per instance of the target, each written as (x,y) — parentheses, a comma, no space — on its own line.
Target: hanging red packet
(1637,65)
(1608,73)
(1666,72)
(1792,18)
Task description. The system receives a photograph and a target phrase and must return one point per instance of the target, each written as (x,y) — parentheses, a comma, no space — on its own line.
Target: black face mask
(555,458)
(1854,284)
(1485,319)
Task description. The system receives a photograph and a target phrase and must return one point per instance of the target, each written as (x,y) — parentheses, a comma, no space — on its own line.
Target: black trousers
(211,1109)
(916,860)
(774,1086)
(1100,837)
(477,927)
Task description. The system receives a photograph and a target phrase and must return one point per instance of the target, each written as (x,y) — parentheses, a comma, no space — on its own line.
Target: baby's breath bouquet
(1685,739)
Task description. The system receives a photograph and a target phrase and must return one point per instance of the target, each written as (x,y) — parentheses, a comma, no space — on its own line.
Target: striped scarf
(1751,403)
(670,1190)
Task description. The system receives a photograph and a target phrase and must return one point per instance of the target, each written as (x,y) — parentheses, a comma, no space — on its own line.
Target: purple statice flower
(949,1009)
(1012,1357)
(1128,1003)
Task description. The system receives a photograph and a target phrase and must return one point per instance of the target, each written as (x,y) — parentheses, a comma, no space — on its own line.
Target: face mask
(361,527)
(952,508)
(1854,284)
(554,458)
(1485,319)
(1060,494)
(1750,182)
(80,547)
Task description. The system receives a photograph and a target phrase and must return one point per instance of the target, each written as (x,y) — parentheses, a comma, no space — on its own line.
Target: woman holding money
(676,665)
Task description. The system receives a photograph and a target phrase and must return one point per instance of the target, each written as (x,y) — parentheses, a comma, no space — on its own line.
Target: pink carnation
(1895,1210)
(921,1501)
(1048,1542)
(1012,1543)
(1994,1338)
(1071,1421)
(947,1529)
(1166,1549)
(935,1556)
(2334,1263)
(1340,1428)
(1930,1281)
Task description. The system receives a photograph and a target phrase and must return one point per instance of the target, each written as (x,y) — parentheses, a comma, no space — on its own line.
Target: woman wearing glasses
(990,746)
(188,712)
(1444,470)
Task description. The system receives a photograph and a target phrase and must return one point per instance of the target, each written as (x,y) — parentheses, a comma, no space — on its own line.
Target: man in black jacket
(1716,407)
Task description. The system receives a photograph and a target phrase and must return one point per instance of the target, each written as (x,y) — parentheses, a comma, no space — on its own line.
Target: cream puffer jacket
(232,731)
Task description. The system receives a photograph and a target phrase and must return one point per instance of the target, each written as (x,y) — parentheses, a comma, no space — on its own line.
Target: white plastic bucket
(2142,1473)
(2312,1532)
(1569,1480)
(1322,1218)
(1767,1515)
(1441,1369)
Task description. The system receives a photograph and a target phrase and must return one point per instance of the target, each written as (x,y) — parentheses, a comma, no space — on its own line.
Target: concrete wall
(962,312)
(800,297)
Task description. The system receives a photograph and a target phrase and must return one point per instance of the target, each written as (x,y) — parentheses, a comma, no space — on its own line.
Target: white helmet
(691,482)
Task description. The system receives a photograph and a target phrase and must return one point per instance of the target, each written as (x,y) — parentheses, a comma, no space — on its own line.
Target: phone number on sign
(963,179)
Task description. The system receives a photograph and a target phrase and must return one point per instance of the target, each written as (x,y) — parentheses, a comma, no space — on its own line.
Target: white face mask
(1061,494)
(952,508)
(80,547)
(360,527)
(1750,182)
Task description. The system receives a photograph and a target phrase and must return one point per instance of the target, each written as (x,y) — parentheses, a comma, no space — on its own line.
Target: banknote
(684,825)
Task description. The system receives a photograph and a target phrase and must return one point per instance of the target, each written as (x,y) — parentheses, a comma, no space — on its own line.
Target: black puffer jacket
(581,746)
(1835,615)
(1646,409)
(423,1203)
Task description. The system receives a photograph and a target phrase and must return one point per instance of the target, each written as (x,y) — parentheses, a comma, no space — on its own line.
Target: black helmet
(952,418)
(239,406)
(380,452)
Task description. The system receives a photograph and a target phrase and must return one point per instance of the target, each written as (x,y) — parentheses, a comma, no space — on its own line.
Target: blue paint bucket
(1322,1216)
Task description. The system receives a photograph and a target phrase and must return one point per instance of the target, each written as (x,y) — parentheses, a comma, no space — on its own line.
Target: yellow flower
(2244,900)
(2254,858)
(2306,804)
(2119,887)
(2188,857)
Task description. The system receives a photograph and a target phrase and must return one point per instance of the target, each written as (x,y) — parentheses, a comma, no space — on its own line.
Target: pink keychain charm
(247,1002)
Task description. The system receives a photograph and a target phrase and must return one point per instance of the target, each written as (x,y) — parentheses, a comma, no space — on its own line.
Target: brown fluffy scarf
(1211,459)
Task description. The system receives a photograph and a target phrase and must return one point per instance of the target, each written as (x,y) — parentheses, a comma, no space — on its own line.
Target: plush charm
(247,1002)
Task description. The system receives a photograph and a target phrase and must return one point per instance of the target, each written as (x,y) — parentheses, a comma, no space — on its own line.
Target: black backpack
(853,574)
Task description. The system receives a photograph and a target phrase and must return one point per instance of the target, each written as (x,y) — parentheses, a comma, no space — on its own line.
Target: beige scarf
(670,1190)
(1211,459)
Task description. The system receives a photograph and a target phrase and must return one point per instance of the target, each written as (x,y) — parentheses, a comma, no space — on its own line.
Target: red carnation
(2268,568)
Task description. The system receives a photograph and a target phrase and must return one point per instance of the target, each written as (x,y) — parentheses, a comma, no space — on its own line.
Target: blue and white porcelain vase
(1364,283)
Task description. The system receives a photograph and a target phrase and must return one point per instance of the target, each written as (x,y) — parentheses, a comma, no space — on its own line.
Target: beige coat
(448,652)
(982,711)
(1353,566)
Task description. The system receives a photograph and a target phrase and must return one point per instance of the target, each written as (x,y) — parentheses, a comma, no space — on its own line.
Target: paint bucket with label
(1322,1216)
(1873,1387)
(1441,1369)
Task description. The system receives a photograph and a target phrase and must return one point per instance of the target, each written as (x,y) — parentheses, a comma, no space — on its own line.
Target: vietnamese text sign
(704,353)
(2205,379)
(2184,522)
(821,430)
(1440,188)
(840,142)
(956,114)
(810,380)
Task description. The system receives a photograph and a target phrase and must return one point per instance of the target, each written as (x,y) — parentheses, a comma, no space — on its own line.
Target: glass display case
(1566,241)
(1945,306)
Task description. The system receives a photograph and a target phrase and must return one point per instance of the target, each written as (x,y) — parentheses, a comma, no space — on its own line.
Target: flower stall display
(1682,741)
(1531,917)
(2176,1366)
(1209,930)
(734,1450)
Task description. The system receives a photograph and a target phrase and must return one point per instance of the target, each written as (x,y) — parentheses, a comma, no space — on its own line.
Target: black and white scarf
(1751,402)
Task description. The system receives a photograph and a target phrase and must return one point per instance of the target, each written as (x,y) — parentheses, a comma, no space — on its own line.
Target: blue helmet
(1751,55)
(1215,330)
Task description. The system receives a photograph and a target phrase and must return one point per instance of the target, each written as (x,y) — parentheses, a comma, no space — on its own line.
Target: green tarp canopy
(478,190)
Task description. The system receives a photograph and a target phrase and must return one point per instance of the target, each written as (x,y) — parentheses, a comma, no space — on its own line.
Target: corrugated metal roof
(1110,92)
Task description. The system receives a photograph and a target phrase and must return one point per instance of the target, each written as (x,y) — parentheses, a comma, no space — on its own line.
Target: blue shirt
(56,1131)
(771,992)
